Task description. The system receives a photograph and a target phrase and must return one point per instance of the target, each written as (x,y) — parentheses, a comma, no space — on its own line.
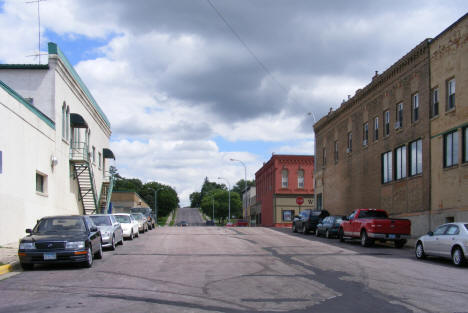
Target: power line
(257,59)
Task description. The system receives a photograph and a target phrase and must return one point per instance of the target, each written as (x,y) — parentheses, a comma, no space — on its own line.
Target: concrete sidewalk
(8,258)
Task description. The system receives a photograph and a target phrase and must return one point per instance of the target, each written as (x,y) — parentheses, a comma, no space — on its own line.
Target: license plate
(50,256)
(392,236)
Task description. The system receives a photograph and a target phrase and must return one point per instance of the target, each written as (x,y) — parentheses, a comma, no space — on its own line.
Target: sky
(190,84)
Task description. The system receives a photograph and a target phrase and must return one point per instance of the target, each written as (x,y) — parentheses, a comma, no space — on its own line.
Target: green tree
(195,199)
(220,197)
(240,185)
(167,197)
(128,184)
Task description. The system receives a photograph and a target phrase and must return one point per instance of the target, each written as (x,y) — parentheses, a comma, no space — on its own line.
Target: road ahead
(215,269)
(190,215)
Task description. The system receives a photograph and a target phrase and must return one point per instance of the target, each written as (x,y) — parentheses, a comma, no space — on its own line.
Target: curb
(7,268)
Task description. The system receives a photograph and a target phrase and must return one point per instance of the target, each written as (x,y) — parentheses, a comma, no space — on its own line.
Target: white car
(129,225)
(448,241)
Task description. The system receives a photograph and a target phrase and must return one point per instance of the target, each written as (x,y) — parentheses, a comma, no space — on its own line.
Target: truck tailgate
(392,226)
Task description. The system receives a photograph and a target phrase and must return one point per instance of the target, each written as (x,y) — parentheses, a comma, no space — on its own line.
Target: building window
(324,157)
(300,179)
(415,157)
(387,167)
(336,151)
(451,149)
(284,178)
(435,102)
(365,134)
(99,160)
(400,162)
(287,215)
(415,106)
(451,94)
(350,142)
(64,121)
(94,154)
(399,115)
(465,147)
(376,128)
(387,123)
(319,201)
(41,183)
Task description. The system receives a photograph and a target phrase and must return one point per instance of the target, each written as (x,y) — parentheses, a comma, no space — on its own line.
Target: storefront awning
(77,121)
(108,154)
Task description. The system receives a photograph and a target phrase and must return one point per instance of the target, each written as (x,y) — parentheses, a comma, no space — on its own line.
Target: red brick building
(279,182)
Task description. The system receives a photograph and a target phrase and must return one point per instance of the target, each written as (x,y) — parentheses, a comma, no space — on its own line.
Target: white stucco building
(54,145)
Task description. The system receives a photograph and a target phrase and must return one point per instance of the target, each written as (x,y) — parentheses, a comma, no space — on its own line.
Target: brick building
(278,183)
(391,146)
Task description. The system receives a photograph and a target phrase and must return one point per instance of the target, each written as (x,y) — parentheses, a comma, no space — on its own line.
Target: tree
(220,198)
(195,199)
(167,197)
(128,184)
(240,185)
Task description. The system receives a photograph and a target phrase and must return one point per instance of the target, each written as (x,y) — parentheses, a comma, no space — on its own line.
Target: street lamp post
(229,197)
(245,185)
(212,202)
(156,204)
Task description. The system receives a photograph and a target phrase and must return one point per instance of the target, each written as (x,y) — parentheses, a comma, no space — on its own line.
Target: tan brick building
(449,124)
(123,201)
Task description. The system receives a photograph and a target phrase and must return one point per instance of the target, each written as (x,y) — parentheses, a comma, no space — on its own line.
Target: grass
(162,220)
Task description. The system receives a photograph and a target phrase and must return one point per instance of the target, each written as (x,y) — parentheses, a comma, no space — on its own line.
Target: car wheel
(317,234)
(27,266)
(122,240)
(304,229)
(113,242)
(365,240)
(327,234)
(294,230)
(419,251)
(137,234)
(99,253)
(131,235)
(341,235)
(457,257)
(400,243)
(89,260)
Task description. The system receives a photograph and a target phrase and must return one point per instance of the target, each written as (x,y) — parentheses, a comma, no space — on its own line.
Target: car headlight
(27,245)
(75,245)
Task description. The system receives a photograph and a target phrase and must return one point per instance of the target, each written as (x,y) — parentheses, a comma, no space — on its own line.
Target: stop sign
(299,200)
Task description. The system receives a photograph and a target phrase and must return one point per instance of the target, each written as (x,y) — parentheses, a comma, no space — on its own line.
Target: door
(431,243)
(447,240)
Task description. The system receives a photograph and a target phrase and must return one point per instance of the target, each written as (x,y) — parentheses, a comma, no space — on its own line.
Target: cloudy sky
(189,84)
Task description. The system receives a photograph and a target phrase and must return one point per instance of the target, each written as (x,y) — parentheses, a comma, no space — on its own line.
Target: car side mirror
(94,229)
(28,230)
(430,233)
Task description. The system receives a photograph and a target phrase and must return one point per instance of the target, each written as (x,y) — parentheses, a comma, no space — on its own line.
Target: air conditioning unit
(397,124)
(364,142)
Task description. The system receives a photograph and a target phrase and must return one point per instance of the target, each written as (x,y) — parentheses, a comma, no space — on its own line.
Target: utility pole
(212,202)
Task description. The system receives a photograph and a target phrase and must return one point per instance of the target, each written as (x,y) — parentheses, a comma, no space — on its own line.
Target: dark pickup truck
(372,224)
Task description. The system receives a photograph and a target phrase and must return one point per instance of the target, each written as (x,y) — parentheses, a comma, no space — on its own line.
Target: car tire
(131,235)
(327,234)
(122,240)
(419,251)
(137,234)
(365,240)
(99,253)
(89,261)
(294,230)
(113,243)
(304,230)
(341,235)
(400,243)
(27,266)
(458,258)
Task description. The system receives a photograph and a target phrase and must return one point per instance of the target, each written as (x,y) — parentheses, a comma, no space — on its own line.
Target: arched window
(300,179)
(64,120)
(284,178)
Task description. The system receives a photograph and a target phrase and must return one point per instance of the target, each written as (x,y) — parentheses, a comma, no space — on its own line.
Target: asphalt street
(218,269)
(190,215)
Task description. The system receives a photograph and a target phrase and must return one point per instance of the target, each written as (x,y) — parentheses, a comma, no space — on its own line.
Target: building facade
(54,156)
(279,183)
(123,201)
(248,201)
(449,124)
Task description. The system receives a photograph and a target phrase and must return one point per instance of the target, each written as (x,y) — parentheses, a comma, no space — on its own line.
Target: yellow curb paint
(6,269)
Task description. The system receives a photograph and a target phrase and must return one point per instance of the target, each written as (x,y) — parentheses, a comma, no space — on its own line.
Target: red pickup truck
(374,224)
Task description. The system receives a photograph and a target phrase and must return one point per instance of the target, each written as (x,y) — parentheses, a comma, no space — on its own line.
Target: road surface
(216,269)
(190,215)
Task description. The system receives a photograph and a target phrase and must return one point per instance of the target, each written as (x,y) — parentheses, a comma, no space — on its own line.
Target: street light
(156,203)
(245,184)
(229,197)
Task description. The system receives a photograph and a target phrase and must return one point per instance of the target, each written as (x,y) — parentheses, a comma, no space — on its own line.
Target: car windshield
(144,211)
(101,220)
(338,220)
(60,225)
(138,216)
(122,218)
(372,214)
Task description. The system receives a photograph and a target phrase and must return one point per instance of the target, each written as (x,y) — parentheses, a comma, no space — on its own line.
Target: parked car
(111,231)
(241,223)
(307,220)
(61,239)
(230,224)
(210,223)
(147,212)
(447,241)
(142,222)
(129,225)
(182,223)
(372,224)
(329,226)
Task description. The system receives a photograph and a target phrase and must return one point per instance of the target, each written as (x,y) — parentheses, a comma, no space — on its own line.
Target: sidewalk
(8,258)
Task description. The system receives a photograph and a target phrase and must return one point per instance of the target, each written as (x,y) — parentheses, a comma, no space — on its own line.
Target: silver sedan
(447,241)
(111,230)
